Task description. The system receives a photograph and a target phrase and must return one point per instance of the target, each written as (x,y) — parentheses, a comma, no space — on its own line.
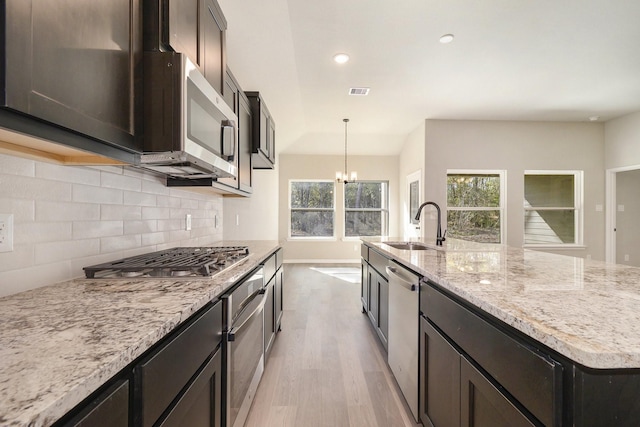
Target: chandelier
(345,176)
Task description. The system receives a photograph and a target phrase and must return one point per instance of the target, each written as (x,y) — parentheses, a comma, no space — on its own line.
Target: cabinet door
(383,310)
(482,403)
(213,33)
(201,404)
(373,296)
(271,140)
(245,169)
(75,64)
(364,285)
(269,318)
(439,403)
(279,298)
(110,409)
(183,21)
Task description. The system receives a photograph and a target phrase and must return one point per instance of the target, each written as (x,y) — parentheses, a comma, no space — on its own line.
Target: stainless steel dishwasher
(404,314)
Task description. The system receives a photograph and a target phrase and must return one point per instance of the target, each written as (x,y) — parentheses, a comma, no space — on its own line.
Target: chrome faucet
(439,237)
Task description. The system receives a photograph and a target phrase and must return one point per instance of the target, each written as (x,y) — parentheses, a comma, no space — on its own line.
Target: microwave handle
(231,124)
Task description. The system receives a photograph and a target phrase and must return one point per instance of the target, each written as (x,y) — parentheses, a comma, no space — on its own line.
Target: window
(366,208)
(312,209)
(475,205)
(552,208)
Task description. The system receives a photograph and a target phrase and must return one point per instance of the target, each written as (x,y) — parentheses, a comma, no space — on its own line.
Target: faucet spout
(439,237)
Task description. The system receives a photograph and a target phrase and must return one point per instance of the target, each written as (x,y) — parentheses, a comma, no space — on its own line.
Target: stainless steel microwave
(189,130)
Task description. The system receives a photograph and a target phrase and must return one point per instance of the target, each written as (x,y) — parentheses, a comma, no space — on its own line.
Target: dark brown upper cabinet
(193,27)
(72,66)
(264,133)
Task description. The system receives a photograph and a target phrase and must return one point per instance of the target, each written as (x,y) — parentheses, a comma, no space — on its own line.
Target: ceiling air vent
(359,91)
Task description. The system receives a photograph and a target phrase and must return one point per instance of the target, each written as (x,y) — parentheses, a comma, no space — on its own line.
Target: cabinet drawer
(161,377)
(364,252)
(379,262)
(269,268)
(535,381)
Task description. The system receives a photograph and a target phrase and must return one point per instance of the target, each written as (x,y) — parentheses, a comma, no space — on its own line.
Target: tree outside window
(366,205)
(474,206)
(552,207)
(312,209)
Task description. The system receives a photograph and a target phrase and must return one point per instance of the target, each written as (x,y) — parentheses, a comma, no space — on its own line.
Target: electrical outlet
(237,219)
(187,222)
(216,222)
(626,257)
(6,232)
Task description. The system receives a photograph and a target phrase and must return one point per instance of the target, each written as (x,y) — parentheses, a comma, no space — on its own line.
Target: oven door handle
(244,317)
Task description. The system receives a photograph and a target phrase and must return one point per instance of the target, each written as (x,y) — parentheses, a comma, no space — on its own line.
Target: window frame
(292,209)
(502,174)
(385,225)
(578,202)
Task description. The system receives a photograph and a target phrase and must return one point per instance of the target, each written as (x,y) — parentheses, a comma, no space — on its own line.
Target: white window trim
(312,238)
(578,197)
(344,213)
(503,197)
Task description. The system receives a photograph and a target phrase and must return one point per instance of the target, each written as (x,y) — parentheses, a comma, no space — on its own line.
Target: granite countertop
(60,343)
(588,311)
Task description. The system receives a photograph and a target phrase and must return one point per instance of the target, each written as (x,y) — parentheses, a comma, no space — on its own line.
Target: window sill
(567,247)
(311,239)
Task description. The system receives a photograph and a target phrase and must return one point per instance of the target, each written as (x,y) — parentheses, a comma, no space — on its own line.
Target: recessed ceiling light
(594,118)
(447,38)
(341,58)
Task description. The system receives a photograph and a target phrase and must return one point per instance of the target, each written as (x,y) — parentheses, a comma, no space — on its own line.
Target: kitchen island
(60,343)
(579,317)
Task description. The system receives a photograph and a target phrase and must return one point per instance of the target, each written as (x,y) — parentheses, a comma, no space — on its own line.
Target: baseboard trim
(322,261)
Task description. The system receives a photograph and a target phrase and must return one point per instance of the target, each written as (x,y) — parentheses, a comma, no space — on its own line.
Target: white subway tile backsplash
(40,232)
(22,210)
(156,186)
(67,218)
(72,174)
(22,187)
(122,182)
(117,212)
(155,213)
(90,229)
(139,199)
(17,166)
(66,211)
(65,250)
(88,193)
(139,227)
(155,238)
(119,243)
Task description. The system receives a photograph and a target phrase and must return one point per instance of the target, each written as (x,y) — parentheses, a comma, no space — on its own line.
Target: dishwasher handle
(393,271)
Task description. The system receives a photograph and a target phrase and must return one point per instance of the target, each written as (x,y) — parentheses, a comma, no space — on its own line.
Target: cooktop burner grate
(175,262)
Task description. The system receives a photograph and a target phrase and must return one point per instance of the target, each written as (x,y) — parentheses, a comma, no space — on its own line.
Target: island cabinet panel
(527,378)
(76,65)
(606,397)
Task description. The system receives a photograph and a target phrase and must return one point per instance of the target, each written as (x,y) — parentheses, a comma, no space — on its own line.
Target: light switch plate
(187,222)
(6,232)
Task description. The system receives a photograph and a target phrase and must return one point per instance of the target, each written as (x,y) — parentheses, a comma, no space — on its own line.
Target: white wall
(622,146)
(411,159)
(515,147)
(69,217)
(255,217)
(384,168)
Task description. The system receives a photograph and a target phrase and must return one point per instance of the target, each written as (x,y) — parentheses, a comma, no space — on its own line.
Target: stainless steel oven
(243,345)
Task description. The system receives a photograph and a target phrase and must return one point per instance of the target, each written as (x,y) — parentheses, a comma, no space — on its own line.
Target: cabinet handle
(392,271)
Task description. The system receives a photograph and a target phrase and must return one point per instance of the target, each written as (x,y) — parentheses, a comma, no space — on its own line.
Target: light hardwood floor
(326,367)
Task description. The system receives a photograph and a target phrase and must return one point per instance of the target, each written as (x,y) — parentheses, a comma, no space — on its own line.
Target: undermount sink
(408,246)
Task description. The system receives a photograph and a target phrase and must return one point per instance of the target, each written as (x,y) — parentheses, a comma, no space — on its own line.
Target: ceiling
(510,60)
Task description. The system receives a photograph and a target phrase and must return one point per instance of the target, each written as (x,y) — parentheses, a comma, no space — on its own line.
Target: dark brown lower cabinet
(200,405)
(269,318)
(483,405)
(439,403)
(109,409)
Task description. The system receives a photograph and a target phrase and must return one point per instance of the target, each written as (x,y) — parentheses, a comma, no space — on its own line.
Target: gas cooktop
(175,262)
